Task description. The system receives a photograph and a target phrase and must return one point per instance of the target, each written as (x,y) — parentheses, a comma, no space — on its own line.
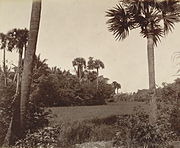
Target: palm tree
(18,40)
(116,86)
(79,65)
(154,18)
(28,60)
(95,64)
(90,64)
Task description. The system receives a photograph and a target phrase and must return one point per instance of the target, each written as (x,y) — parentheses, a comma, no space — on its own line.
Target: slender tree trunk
(97,81)
(4,67)
(18,83)
(28,61)
(7,138)
(13,132)
(151,70)
(78,73)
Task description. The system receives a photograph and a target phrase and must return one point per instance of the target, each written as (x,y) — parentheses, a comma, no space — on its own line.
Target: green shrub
(111,120)
(45,137)
(175,120)
(5,109)
(135,131)
(85,131)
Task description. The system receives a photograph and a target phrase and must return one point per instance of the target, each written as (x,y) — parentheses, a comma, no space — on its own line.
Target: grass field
(79,113)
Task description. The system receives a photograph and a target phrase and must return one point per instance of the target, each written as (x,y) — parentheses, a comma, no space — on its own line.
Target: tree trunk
(19,72)
(4,67)
(7,138)
(153,105)
(151,70)
(13,132)
(97,81)
(28,61)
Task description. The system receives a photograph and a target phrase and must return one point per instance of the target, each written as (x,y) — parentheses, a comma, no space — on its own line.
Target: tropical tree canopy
(151,16)
(3,40)
(94,64)
(79,64)
(17,38)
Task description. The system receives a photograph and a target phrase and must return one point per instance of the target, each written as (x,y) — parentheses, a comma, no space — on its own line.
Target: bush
(135,131)
(175,120)
(85,131)
(123,97)
(111,120)
(5,109)
(45,137)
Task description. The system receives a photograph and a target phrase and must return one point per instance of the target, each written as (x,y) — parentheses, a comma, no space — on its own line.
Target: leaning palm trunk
(151,70)
(8,135)
(12,132)
(28,61)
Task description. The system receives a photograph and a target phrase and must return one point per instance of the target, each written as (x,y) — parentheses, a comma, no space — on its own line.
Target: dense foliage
(54,87)
(136,131)
(5,109)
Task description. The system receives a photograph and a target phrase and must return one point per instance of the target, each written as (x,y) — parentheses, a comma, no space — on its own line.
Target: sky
(77,28)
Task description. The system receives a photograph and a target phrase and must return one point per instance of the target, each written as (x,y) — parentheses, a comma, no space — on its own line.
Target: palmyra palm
(154,19)
(17,39)
(79,65)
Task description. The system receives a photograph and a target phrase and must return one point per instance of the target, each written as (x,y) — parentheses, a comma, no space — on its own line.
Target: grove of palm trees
(86,74)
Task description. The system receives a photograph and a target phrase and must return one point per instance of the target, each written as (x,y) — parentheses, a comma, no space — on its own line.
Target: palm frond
(120,22)
(169,21)
(146,14)
(168,6)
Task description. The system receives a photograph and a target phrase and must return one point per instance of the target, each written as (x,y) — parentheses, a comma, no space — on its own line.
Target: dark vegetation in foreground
(40,132)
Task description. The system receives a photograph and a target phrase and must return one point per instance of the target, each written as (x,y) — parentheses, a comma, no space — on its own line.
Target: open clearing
(79,113)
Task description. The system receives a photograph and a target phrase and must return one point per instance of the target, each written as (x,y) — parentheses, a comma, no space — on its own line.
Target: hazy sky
(77,28)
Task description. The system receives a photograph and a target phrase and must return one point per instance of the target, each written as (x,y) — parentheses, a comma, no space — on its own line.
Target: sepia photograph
(90,73)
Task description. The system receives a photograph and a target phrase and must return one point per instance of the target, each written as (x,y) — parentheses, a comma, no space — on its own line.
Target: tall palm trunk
(151,70)
(4,67)
(28,61)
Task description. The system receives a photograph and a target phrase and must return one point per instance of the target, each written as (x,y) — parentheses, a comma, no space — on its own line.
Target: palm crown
(80,63)
(148,15)
(17,38)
